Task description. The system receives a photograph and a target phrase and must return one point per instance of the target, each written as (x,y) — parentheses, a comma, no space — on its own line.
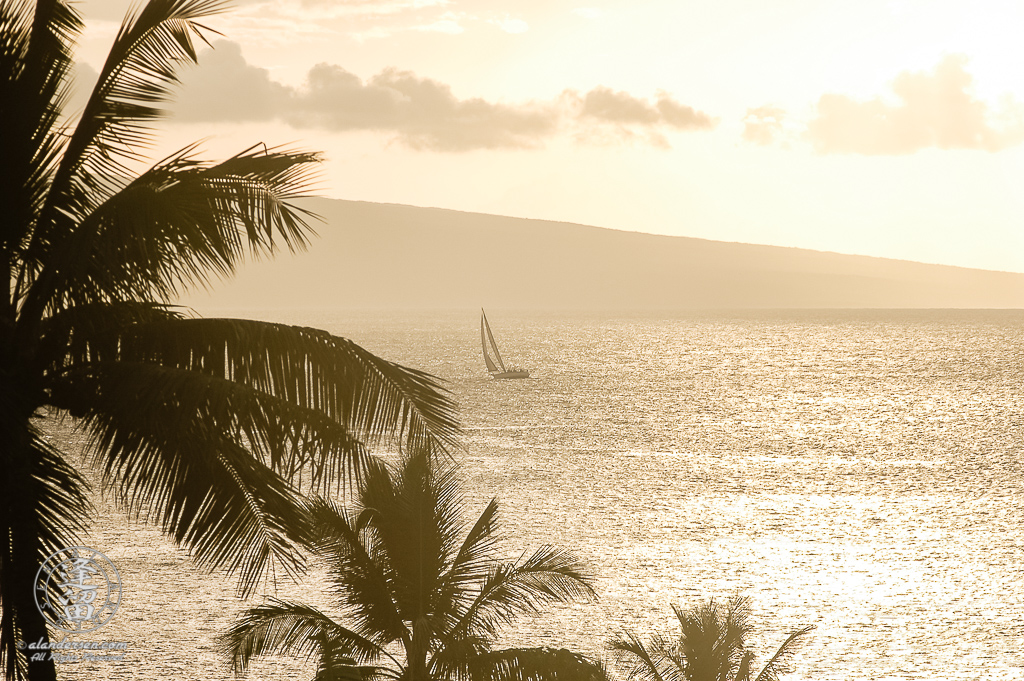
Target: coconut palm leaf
(711,646)
(523,587)
(207,491)
(712,636)
(33,89)
(139,73)
(345,669)
(36,56)
(744,669)
(471,566)
(177,224)
(82,334)
(645,662)
(442,616)
(286,628)
(142,439)
(43,496)
(419,532)
(360,575)
(779,663)
(43,508)
(140,68)
(473,561)
(291,440)
(310,368)
(304,400)
(534,664)
(183,220)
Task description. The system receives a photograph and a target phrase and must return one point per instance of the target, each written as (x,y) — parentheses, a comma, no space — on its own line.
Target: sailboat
(496,366)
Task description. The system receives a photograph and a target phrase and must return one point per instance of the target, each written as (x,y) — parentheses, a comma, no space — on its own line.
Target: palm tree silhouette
(421,598)
(202,424)
(711,646)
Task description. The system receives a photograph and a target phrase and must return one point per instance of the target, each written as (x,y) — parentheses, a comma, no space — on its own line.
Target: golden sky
(880,127)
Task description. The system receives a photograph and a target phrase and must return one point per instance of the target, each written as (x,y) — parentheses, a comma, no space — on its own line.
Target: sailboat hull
(511,374)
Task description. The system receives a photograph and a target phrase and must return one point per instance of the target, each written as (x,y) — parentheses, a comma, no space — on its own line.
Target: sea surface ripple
(860,471)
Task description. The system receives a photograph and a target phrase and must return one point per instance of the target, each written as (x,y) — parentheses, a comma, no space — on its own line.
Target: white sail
(490,337)
(485,334)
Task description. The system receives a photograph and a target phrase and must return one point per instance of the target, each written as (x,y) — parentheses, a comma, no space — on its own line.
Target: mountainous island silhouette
(371,255)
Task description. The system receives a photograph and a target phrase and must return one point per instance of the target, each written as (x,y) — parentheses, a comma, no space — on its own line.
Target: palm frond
(303,399)
(375,550)
(57,498)
(644,662)
(55,26)
(534,664)
(16,25)
(374,398)
(347,670)
(294,629)
(43,508)
(473,561)
(175,226)
(419,530)
(362,577)
(471,567)
(711,646)
(139,74)
(712,636)
(209,493)
(293,441)
(745,667)
(550,575)
(35,63)
(43,497)
(779,663)
(453,656)
(82,334)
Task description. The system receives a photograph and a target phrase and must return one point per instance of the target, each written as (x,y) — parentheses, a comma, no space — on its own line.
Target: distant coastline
(388,256)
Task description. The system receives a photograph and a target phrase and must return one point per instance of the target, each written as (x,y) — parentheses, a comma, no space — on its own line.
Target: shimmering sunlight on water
(859,471)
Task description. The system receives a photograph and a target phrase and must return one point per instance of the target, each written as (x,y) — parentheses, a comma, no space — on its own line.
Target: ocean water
(860,471)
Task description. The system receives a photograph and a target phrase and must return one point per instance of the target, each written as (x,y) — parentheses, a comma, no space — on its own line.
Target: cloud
(273,21)
(424,113)
(449,23)
(226,87)
(763,125)
(510,25)
(419,112)
(364,20)
(932,110)
(605,104)
(374,7)
(606,116)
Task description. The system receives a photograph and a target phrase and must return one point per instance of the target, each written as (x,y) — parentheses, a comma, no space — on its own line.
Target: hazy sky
(879,127)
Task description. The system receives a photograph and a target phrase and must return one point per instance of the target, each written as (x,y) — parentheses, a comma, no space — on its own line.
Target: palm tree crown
(203,424)
(421,597)
(711,646)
